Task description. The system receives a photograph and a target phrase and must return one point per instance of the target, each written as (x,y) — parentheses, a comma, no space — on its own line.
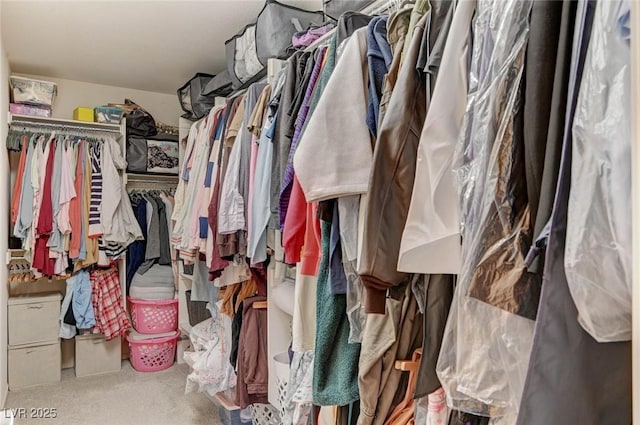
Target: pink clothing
(67,191)
(294,225)
(301,237)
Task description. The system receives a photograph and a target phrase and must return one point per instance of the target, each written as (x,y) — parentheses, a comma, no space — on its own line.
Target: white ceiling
(146,45)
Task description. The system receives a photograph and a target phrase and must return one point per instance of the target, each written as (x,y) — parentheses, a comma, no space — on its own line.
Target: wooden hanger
(403,414)
(260,305)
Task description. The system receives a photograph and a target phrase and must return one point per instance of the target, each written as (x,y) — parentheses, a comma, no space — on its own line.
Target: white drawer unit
(34,365)
(34,319)
(95,355)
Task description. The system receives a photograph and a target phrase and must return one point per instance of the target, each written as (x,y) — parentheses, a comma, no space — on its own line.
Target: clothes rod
(27,120)
(150,179)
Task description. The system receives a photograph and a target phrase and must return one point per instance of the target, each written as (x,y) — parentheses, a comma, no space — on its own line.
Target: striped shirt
(95,222)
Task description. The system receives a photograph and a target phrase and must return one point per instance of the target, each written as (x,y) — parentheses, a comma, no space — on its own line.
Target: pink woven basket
(154,317)
(152,355)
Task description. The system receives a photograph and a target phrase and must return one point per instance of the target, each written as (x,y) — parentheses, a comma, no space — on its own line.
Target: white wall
(4,216)
(71,94)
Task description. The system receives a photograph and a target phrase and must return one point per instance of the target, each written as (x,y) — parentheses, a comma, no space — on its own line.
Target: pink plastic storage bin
(152,355)
(154,317)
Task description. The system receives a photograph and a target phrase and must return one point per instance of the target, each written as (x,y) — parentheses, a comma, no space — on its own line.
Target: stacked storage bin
(31,97)
(152,343)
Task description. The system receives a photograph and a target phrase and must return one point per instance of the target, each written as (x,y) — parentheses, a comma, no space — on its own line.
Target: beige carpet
(124,398)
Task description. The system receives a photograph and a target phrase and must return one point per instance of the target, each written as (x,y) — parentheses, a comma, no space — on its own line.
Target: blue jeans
(81,302)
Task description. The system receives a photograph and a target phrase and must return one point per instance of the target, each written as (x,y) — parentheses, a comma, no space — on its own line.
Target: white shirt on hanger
(431,237)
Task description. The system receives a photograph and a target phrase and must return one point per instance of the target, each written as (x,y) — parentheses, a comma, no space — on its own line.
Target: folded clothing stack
(155,284)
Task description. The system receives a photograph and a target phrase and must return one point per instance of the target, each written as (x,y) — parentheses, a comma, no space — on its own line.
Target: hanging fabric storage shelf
(269,36)
(335,8)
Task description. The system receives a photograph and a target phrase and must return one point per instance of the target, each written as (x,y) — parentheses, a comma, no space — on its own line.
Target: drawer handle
(35,307)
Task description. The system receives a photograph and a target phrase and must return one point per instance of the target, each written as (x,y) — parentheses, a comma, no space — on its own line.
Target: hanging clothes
(58,208)
(259,206)
(431,238)
(494,287)
(335,367)
(253,378)
(151,276)
(598,262)
(343,166)
(111,319)
(568,368)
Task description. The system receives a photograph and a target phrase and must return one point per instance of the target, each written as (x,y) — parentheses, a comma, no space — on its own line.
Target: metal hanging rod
(62,124)
(149,179)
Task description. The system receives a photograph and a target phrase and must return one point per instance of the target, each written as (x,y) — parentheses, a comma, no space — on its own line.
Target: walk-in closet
(319,212)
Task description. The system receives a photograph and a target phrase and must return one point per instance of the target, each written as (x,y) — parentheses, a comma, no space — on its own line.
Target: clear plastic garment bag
(487,341)
(598,252)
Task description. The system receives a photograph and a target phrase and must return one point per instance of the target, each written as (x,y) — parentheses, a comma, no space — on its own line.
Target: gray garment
(67,331)
(281,141)
(201,288)
(349,209)
(152,253)
(25,218)
(572,379)
(433,41)
(145,266)
(163,232)
(153,232)
(555,130)
(274,187)
(539,84)
(348,23)
(436,304)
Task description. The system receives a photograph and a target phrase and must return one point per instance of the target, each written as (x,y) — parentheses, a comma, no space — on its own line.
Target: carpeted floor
(124,398)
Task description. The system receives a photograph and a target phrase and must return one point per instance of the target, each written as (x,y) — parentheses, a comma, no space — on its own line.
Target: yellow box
(82,113)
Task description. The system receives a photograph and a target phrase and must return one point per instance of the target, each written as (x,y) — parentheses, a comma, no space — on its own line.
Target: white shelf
(185,328)
(28,119)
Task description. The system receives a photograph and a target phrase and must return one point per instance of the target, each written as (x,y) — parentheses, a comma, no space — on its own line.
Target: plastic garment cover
(349,213)
(211,341)
(487,341)
(598,251)
(432,409)
(355,303)
(298,403)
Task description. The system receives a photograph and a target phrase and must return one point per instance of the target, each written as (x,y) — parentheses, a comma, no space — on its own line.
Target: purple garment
(306,38)
(301,119)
